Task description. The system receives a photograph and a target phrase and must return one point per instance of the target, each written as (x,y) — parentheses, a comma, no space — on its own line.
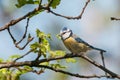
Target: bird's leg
(102,57)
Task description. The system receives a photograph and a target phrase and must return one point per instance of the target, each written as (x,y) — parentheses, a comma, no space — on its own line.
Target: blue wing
(79,40)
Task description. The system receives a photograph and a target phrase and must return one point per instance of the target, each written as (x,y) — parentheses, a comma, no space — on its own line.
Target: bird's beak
(59,36)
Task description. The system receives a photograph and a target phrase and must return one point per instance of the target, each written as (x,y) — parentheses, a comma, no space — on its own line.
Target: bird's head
(65,33)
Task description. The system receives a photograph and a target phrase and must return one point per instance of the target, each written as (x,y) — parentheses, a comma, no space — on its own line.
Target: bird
(74,43)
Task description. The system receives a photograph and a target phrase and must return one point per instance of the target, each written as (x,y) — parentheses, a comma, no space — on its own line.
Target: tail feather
(98,49)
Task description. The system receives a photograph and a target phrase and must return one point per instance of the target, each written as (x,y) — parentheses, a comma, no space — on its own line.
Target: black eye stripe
(63,33)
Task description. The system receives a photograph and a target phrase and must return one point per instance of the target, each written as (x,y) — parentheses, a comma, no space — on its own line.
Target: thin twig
(40,3)
(73,74)
(24,35)
(23,55)
(28,41)
(113,18)
(30,70)
(113,75)
(13,22)
(69,17)
(39,52)
(13,39)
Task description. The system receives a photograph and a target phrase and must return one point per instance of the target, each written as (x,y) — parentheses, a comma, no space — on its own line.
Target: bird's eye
(63,33)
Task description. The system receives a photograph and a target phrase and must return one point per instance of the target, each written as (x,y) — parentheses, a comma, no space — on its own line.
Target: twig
(38,56)
(21,48)
(23,55)
(26,28)
(72,74)
(113,18)
(13,39)
(40,3)
(39,52)
(69,17)
(113,75)
(24,36)
(35,63)
(86,58)
(13,22)
(32,70)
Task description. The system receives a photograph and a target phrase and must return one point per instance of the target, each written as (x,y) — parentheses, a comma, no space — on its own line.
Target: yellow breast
(74,46)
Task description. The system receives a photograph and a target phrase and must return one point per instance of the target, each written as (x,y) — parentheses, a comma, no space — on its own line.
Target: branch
(13,22)
(36,63)
(26,28)
(69,17)
(113,18)
(24,36)
(23,55)
(72,74)
(113,75)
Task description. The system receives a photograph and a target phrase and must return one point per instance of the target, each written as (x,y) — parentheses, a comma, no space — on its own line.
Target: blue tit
(74,43)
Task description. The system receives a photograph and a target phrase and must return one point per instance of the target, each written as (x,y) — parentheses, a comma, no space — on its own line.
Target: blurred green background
(95,27)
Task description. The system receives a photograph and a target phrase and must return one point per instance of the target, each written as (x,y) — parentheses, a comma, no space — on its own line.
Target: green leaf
(1,60)
(44,54)
(58,36)
(24,2)
(34,45)
(49,36)
(68,60)
(55,3)
(28,68)
(42,35)
(56,53)
(3,70)
(15,56)
(57,66)
(44,63)
(42,46)
(60,53)
(36,12)
(39,33)
(16,76)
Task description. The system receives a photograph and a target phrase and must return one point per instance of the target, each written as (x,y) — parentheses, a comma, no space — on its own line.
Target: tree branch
(24,36)
(36,63)
(72,74)
(113,75)
(13,22)
(113,18)
(69,17)
(23,55)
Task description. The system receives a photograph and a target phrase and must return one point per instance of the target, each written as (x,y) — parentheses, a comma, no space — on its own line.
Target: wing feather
(79,40)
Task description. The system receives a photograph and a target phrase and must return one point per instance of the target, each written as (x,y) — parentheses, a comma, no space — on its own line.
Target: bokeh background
(95,27)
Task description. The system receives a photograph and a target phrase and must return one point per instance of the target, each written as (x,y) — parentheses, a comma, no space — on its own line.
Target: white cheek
(66,35)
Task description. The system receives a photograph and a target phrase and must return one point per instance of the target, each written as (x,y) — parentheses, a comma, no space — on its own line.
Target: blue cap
(64,28)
